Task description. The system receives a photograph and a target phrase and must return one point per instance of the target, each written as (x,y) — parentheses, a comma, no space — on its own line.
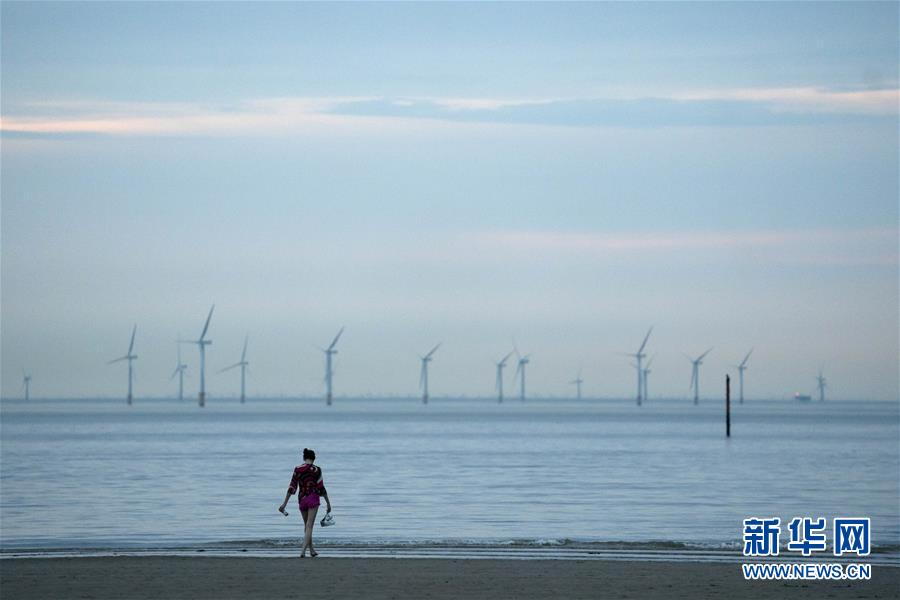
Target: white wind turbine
(520,372)
(646,371)
(577,382)
(821,383)
(499,383)
(329,370)
(639,357)
(695,374)
(741,368)
(243,365)
(423,373)
(202,343)
(179,370)
(26,384)
(129,357)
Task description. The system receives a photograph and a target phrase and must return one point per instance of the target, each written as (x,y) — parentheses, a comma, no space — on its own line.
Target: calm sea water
(100,474)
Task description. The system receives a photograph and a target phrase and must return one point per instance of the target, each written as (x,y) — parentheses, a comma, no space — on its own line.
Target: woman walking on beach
(308,479)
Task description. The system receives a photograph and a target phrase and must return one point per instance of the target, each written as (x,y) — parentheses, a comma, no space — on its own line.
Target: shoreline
(452,552)
(511,549)
(147,577)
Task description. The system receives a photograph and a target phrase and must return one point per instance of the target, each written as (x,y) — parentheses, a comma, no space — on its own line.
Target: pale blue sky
(568,174)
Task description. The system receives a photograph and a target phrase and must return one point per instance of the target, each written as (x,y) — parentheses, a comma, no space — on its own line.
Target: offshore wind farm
(519,380)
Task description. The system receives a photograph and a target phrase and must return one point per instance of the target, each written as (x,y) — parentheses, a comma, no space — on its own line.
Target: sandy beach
(336,578)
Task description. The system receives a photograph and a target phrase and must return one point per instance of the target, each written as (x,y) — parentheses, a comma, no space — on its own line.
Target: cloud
(806,99)
(292,115)
(852,247)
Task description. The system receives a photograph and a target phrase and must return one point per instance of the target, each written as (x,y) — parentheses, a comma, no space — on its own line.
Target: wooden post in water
(727,406)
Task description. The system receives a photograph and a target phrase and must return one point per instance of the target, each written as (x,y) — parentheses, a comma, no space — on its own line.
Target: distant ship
(802,397)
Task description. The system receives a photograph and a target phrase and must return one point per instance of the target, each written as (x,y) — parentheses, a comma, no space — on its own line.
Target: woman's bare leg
(310,523)
(305,536)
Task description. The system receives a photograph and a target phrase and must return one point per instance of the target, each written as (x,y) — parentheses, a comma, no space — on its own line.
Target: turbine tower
(499,384)
(243,365)
(520,372)
(644,374)
(26,384)
(179,370)
(202,343)
(129,357)
(423,374)
(577,382)
(822,384)
(639,357)
(695,374)
(329,371)
(741,368)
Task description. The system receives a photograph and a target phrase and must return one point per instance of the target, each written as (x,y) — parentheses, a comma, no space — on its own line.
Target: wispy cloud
(290,115)
(836,247)
(806,99)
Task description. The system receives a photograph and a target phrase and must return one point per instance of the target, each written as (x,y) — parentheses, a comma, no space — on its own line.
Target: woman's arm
(320,489)
(290,492)
(287,496)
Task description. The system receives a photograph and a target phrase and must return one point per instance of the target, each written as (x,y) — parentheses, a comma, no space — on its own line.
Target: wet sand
(126,578)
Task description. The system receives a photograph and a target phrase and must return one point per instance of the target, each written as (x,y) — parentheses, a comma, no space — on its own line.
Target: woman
(308,479)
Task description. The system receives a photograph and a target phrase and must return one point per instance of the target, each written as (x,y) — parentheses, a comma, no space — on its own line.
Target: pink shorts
(309,501)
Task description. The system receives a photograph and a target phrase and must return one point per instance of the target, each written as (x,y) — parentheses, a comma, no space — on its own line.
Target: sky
(558,176)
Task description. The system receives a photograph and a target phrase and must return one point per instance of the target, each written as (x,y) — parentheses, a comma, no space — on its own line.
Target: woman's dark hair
(308,454)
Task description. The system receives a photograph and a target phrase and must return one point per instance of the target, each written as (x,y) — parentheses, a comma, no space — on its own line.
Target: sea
(456,477)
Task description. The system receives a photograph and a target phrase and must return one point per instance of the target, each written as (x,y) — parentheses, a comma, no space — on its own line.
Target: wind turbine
(202,343)
(520,372)
(822,384)
(639,356)
(26,383)
(577,382)
(243,365)
(329,371)
(129,357)
(423,374)
(179,370)
(695,374)
(499,384)
(741,368)
(644,374)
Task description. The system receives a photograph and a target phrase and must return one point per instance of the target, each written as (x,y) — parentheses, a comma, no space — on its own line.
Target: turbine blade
(422,375)
(229,368)
(131,344)
(704,354)
(115,360)
(336,338)
(505,358)
(746,358)
(206,325)
(433,350)
(244,352)
(646,337)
